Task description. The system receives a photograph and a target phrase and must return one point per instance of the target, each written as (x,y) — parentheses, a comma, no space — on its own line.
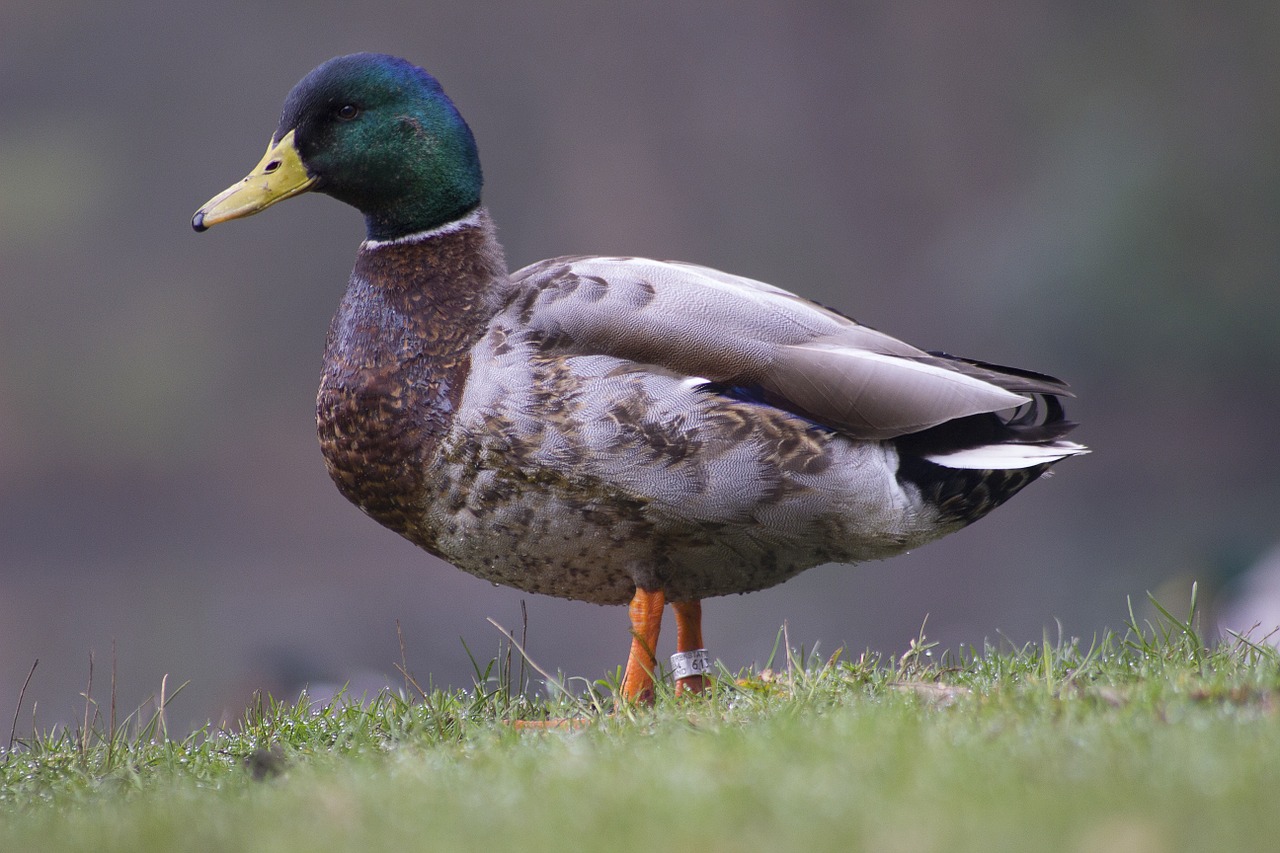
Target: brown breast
(396,363)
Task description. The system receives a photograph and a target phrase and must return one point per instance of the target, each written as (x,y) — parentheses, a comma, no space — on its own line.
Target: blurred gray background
(1084,189)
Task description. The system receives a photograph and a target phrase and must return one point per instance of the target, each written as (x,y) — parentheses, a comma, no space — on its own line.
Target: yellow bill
(279,175)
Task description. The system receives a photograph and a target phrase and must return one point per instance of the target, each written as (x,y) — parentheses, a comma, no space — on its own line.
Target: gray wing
(701,322)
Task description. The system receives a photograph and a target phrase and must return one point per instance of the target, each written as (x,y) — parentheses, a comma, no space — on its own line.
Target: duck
(615,430)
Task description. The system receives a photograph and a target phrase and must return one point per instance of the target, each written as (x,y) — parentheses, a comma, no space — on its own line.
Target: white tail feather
(1000,457)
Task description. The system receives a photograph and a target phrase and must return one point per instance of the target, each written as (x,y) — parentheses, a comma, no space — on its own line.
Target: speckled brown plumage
(465,409)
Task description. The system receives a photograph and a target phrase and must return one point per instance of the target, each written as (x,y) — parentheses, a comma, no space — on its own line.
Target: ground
(1143,741)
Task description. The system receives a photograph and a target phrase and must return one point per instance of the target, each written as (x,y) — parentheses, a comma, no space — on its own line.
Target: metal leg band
(686,664)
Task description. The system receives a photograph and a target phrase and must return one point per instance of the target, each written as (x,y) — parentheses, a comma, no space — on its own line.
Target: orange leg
(646,621)
(689,638)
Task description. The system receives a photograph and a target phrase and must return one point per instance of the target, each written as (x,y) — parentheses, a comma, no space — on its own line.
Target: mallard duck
(615,430)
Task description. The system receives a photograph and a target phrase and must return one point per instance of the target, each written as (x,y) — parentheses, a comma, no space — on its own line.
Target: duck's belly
(548,530)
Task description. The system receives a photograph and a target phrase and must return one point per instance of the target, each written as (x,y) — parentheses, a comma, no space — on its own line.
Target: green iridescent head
(371,130)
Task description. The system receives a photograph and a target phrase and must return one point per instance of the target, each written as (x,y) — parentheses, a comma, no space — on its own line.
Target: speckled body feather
(585,426)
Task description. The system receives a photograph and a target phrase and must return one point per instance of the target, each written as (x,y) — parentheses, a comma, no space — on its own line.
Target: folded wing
(783,349)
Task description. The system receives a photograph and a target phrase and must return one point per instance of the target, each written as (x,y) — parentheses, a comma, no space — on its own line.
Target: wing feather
(701,322)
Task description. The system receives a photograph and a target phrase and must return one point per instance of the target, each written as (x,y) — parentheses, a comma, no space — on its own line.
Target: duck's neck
(476,219)
(459,259)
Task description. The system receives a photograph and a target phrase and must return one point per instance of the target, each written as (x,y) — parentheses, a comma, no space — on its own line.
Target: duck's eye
(347,112)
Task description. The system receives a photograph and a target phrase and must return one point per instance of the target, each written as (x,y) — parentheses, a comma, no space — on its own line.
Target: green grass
(1146,741)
